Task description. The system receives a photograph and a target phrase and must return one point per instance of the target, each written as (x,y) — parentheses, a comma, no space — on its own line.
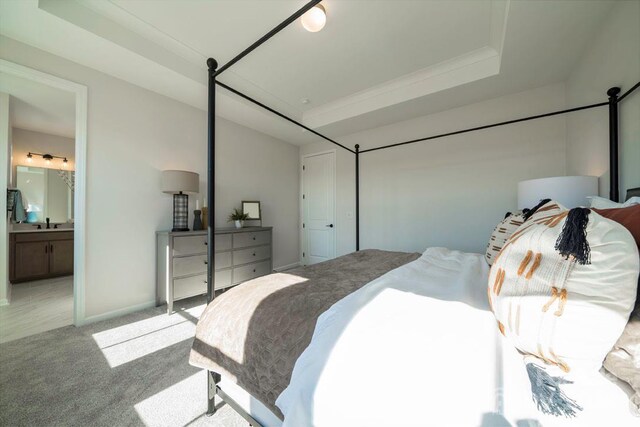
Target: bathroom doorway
(43,120)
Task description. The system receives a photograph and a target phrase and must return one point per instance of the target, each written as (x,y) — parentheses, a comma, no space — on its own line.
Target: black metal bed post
(212,378)
(211,176)
(357,197)
(614,184)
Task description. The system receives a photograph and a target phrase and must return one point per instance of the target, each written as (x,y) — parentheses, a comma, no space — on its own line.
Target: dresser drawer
(222,242)
(245,256)
(247,272)
(189,286)
(189,265)
(223,279)
(189,245)
(242,240)
(222,260)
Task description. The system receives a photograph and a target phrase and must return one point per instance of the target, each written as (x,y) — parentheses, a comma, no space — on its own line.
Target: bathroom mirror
(253,209)
(46,193)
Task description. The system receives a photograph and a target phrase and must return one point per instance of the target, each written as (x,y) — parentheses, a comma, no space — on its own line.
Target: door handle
(329,225)
(51,248)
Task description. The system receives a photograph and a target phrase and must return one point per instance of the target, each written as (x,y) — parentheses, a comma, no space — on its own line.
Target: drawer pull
(206,262)
(254,270)
(206,243)
(254,237)
(254,254)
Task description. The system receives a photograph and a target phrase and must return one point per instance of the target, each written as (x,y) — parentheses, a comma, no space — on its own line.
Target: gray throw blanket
(254,333)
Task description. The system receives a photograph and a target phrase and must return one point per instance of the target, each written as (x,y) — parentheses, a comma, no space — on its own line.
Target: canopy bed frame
(614,99)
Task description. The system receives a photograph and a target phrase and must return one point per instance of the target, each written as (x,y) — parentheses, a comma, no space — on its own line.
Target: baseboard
(4,301)
(287,267)
(117,313)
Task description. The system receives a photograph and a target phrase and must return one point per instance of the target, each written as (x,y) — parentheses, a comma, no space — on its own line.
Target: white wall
(613,59)
(134,134)
(452,191)
(5,156)
(253,166)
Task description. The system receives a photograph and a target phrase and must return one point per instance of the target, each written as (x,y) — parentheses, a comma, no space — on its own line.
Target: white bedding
(419,346)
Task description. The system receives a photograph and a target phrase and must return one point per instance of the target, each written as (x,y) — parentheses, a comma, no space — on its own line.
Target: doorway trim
(80,204)
(335,199)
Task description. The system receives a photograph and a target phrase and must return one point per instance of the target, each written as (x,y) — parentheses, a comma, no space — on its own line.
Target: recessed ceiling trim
(95,22)
(475,65)
(108,21)
(482,63)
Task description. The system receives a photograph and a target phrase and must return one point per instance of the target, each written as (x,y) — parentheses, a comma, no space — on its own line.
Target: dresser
(240,255)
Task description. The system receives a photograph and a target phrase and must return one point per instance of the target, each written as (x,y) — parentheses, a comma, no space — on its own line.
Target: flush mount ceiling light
(314,20)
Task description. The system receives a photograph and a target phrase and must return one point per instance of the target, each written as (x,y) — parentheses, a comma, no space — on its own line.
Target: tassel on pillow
(573,238)
(547,394)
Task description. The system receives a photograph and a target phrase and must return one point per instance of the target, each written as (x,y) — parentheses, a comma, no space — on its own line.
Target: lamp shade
(176,181)
(569,191)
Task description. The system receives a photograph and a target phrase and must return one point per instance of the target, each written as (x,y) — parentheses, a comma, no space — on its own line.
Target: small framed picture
(252,209)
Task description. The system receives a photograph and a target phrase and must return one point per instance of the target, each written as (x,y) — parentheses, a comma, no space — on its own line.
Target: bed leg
(212,382)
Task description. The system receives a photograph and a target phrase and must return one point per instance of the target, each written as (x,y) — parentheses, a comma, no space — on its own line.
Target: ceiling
(38,107)
(376,62)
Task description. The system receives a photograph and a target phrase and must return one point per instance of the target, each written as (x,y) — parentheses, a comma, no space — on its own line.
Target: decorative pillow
(628,216)
(501,233)
(624,360)
(562,289)
(510,223)
(604,203)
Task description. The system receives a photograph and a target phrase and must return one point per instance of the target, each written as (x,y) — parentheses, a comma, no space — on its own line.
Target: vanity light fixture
(48,158)
(314,19)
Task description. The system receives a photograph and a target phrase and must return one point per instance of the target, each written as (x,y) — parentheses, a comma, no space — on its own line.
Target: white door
(318,208)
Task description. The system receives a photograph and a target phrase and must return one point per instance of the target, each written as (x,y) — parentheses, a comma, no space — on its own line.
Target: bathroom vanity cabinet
(40,255)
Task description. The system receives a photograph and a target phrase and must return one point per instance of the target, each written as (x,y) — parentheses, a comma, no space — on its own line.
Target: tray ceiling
(374,63)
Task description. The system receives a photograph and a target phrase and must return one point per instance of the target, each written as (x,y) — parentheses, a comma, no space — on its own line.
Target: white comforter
(419,346)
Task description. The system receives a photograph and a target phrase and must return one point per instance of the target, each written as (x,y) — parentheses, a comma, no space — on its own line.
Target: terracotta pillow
(629,217)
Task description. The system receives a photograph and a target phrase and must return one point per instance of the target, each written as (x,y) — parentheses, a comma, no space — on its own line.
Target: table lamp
(178,183)
(569,191)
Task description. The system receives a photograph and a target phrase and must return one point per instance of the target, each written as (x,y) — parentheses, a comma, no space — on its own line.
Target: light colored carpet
(128,371)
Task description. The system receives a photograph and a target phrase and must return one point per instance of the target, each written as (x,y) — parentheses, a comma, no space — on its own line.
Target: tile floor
(36,307)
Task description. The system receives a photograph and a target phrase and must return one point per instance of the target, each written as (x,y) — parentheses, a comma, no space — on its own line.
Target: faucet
(48,226)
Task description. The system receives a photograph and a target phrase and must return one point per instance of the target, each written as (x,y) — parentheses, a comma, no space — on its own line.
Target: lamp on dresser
(178,183)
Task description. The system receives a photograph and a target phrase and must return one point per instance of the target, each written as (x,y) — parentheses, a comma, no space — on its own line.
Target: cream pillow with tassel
(562,289)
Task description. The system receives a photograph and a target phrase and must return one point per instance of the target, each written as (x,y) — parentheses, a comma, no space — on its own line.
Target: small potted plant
(238,217)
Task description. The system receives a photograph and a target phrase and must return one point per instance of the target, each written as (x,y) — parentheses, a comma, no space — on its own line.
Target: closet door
(318,206)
